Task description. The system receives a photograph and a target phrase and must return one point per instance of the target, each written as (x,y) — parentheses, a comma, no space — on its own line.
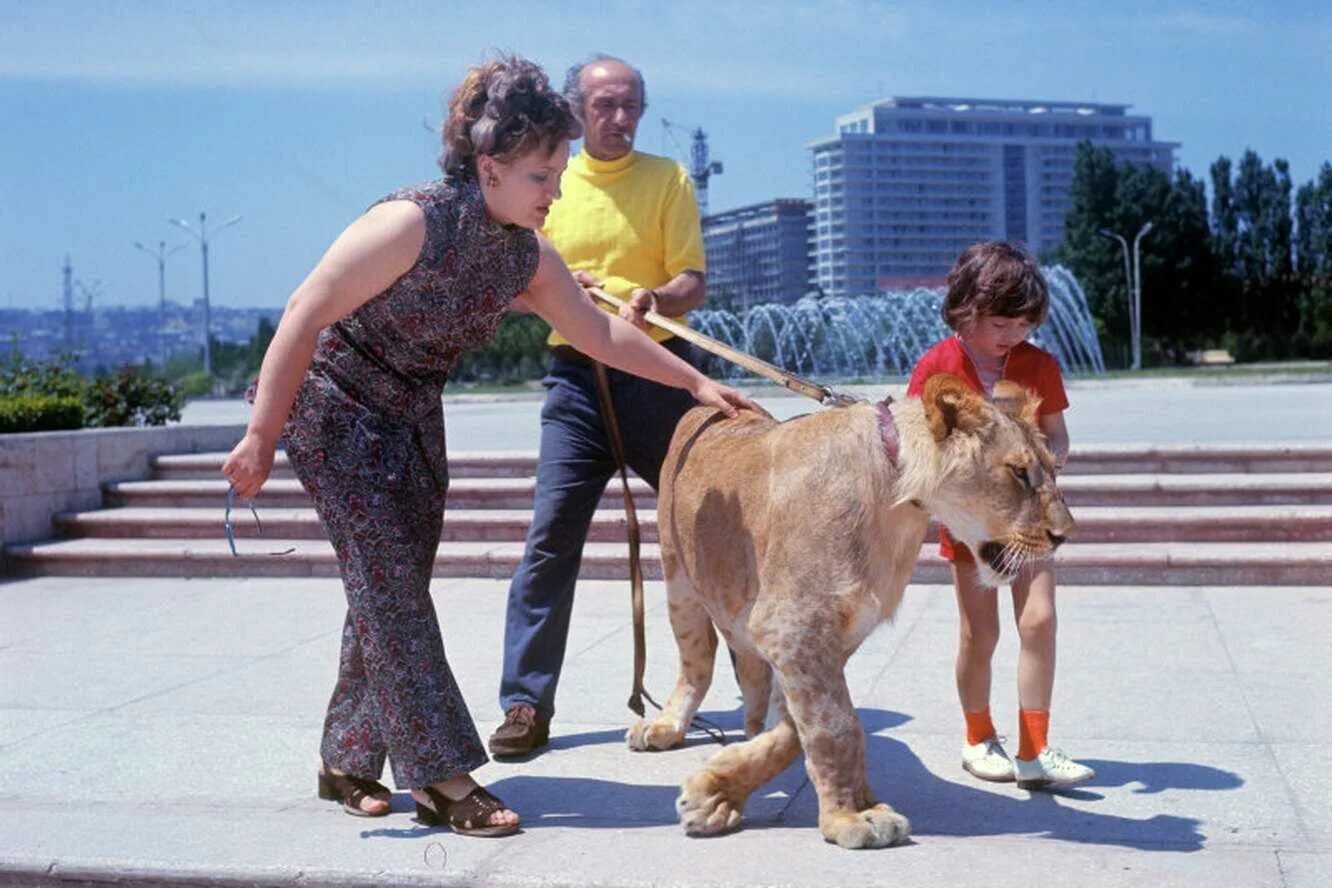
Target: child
(996,296)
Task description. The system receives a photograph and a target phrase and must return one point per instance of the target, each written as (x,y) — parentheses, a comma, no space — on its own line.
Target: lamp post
(1133,284)
(202,236)
(1137,296)
(161,254)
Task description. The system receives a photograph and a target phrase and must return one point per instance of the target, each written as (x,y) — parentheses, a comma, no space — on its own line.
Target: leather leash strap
(638,694)
(821,393)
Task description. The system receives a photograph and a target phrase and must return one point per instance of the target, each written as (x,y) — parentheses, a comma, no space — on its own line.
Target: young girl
(996,296)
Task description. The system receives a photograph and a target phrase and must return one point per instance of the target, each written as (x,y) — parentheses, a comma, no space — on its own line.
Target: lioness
(796,539)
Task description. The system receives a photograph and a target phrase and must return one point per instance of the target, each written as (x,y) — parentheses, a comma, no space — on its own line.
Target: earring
(492,180)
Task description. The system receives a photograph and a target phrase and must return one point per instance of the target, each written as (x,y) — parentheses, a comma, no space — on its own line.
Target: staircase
(1251,515)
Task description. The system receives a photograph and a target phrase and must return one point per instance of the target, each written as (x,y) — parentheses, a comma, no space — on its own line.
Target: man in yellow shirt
(627,220)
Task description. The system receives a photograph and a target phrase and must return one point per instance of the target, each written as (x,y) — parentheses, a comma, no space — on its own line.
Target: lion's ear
(1017,401)
(951,405)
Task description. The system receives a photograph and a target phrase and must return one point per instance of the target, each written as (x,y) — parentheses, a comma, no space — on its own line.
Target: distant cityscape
(111,337)
(906,183)
(898,190)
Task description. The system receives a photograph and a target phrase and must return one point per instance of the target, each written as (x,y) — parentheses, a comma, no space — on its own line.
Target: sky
(295,116)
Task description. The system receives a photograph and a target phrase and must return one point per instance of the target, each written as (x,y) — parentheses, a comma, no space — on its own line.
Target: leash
(821,393)
(638,693)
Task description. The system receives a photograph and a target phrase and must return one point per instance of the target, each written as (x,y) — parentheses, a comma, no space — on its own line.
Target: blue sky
(297,115)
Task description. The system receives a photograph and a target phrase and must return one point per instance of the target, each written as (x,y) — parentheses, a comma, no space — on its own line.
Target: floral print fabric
(366,439)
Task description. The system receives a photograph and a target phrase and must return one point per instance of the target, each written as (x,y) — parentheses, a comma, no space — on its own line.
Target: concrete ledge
(42,473)
(30,872)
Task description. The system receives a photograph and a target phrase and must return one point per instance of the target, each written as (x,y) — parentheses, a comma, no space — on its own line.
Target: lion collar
(892,445)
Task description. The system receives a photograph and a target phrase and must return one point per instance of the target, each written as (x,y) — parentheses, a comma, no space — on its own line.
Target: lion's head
(995,485)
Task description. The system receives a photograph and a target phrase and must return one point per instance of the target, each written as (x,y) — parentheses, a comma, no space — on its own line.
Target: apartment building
(760,253)
(907,182)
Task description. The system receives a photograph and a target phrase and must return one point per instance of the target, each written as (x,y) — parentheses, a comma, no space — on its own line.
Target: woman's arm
(1056,436)
(370,255)
(556,296)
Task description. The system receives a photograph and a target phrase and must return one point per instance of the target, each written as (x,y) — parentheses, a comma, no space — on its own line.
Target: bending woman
(352,382)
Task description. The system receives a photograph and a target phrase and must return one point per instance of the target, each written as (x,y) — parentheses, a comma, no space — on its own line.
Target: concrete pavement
(166,732)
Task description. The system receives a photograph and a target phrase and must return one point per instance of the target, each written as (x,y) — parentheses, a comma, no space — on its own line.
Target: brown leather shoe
(522,732)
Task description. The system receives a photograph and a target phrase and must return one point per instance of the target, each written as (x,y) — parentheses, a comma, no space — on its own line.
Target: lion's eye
(1020,473)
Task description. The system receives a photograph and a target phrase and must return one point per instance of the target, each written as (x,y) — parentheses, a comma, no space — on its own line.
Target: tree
(1252,227)
(1313,263)
(1177,262)
(1097,261)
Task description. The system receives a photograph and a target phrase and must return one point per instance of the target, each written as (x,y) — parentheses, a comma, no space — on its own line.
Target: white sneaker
(1050,768)
(987,760)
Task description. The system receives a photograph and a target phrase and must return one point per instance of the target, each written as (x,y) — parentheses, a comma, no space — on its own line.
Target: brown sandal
(350,791)
(466,816)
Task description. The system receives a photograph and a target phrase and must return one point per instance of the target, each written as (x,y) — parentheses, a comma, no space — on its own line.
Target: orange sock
(1033,728)
(979,726)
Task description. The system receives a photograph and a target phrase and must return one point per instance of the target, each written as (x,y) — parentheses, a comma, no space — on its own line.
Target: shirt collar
(602,167)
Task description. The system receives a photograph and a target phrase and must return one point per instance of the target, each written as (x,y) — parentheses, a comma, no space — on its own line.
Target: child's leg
(978,624)
(1037,765)
(978,619)
(1034,610)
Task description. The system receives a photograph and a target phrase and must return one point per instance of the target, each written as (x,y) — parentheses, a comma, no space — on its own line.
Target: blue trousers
(574,465)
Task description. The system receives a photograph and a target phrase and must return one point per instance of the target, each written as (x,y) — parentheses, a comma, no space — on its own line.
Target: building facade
(759,253)
(908,182)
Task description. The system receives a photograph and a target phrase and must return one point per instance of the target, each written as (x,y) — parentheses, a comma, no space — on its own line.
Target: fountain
(872,337)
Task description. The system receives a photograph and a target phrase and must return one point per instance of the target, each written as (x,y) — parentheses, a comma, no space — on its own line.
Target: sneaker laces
(1055,758)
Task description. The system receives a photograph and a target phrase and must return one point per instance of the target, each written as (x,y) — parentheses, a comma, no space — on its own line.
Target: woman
(359,362)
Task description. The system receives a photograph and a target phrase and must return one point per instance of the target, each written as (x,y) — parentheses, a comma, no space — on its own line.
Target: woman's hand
(248,465)
(724,398)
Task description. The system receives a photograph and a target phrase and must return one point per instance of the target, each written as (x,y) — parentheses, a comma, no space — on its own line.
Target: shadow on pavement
(941,807)
(935,806)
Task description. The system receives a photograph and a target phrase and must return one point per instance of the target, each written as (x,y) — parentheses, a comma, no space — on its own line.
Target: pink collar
(888,428)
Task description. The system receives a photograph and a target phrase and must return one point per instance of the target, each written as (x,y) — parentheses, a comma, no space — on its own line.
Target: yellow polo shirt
(632,222)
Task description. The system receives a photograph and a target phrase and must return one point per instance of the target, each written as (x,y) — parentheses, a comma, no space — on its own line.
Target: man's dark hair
(995,278)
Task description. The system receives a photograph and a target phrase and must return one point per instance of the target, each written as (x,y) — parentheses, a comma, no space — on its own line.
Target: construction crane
(700,168)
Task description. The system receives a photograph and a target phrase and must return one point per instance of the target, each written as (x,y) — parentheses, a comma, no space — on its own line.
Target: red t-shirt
(1027,365)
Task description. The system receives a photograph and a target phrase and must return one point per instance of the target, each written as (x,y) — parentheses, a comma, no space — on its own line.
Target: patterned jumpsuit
(366,439)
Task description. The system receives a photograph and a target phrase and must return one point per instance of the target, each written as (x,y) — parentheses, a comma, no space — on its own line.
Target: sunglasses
(259,527)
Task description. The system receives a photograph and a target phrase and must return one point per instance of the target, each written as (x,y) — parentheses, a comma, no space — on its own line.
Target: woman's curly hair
(503,108)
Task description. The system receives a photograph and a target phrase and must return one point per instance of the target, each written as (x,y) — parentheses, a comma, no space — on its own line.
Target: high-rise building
(908,182)
(759,253)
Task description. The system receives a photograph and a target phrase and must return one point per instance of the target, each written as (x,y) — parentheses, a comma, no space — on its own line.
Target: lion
(796,539)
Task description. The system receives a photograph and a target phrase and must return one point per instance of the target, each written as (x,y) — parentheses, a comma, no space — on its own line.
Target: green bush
(47,395)
(57,378)
(39,413)
(131,398)
(195,385)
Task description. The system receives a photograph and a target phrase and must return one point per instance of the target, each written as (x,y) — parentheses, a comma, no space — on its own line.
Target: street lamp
(202,236)
(161,254)
(1133,281)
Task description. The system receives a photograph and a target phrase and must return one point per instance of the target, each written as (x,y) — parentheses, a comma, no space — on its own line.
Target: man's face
(612,107)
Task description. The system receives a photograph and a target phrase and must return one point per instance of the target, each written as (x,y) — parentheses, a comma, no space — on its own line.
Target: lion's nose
(1056,539)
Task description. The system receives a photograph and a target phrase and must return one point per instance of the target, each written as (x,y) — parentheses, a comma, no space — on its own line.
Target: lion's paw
(644,735)
(705,808)
(876,827)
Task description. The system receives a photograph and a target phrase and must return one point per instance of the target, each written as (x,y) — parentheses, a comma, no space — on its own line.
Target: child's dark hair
(995,278)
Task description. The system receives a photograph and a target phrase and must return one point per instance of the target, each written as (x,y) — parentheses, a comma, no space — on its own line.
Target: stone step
(1143,564)
(1088,460)
(1096,524)
(1137,490)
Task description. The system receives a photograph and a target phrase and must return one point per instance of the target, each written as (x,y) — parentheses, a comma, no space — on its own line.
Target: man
(628,221)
